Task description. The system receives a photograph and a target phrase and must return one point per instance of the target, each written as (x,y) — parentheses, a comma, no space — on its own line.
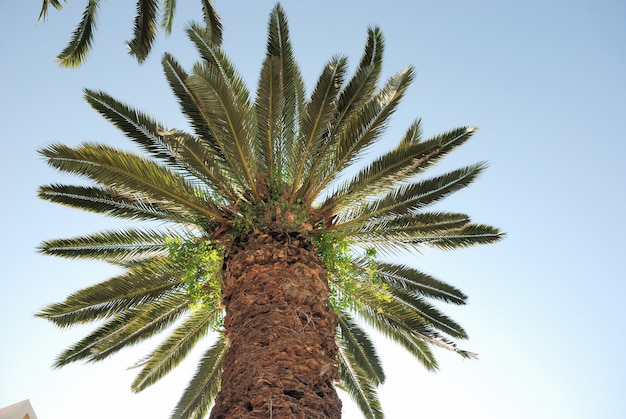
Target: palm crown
(248,167)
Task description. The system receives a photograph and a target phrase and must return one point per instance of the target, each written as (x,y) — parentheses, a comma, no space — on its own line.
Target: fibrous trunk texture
(281,362)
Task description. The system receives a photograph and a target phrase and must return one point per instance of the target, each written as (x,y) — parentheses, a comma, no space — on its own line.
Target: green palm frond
(392,235)
(411,197)
(143,282)
(177,79)
(317,116)
(178,149)
(127,329)
(212,53)
(402,335)
(355,381)
(428,313)
(400,324)
(402,229)
(404,316)
(412,280)
(114,246)
(268,109)
(362,353)
(413,134)
(202,163)
(144,30)
(169,10)
(76,51)
(228,122)
(205,384)
(397,299)
(362,85)
(353,96)
(136,125)
(407,328)
(471,235)
(212,22)
(408,159)
(440,145)
(363,128)
(107,201)
(292,88)
(45,4)
(122,170)
(176,347)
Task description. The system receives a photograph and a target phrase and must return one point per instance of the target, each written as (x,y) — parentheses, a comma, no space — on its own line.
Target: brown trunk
(281,362)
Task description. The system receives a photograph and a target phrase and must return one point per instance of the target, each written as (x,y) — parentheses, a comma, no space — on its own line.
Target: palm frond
(408,159)
(142,283)
(405,227)
(405,233)
(176,347)
(123,170)
(316,119)
(169,10)
(428,313)
(364,127)
(395,297)
(138,126)
(230,125)
(76,51)
(212,22)
(126,329)
(440,145)
(355,381)
(45,4)
(292,88)
(413,134)
(362,85)
(203,163)
(406,327)
(178,149)
(411,197)
(410,279)
(389,169)
(469,236)
(403,327)
(107,201)
(144,30)
(213,55)
(115,246)
(177,79)
(205,384)
(355,341)
(268,110)
(353,96)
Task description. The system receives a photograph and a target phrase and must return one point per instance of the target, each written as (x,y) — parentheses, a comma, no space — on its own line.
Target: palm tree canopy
(145,27)
(246,166)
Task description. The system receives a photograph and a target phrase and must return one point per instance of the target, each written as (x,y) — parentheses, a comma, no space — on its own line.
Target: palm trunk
(281,362)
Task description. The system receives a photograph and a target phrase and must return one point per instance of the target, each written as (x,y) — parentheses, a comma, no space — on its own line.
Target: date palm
(268,234)
(145,27)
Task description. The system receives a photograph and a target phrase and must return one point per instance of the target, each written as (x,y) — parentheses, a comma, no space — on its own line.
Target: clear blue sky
(545,81)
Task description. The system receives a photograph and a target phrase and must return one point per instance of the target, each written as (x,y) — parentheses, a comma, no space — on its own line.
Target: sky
(544,80)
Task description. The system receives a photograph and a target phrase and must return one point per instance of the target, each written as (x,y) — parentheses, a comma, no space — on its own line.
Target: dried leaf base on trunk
(281,362)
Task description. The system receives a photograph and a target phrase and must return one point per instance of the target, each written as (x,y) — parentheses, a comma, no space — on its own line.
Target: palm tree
(145,28)
(268,235)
